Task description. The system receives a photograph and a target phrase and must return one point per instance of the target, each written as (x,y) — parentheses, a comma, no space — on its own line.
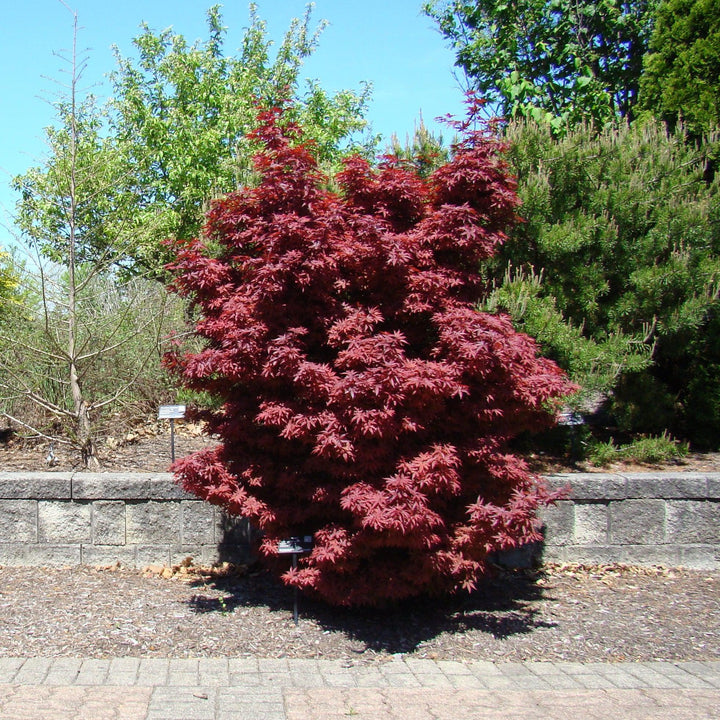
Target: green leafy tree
(624,227)
(551,60)
(181,114)
(10,293)
(681,75)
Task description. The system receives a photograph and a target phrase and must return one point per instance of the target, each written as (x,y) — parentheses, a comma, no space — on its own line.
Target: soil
(149,449)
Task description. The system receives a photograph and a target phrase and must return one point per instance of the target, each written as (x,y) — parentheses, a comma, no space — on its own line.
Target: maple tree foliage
(365,401)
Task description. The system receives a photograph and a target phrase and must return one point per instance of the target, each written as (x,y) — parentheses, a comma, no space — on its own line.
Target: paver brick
(9,668)
(93,671)
(403,689)
(63,673)
(33,671)
(453,667)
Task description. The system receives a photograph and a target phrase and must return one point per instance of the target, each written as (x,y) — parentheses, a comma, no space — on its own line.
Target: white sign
(171,412)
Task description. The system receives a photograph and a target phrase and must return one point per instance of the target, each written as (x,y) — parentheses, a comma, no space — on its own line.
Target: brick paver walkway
(400,689)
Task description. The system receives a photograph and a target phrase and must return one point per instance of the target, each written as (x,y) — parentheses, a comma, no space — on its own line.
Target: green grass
(646,450)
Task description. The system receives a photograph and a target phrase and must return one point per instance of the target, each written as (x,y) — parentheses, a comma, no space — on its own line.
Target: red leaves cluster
(365,401)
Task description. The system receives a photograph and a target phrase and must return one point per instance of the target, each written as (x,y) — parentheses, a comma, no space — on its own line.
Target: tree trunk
(84,436)
(82,414)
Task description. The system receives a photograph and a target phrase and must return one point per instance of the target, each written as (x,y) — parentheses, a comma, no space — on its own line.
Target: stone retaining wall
(55,518)
(670,519)
(137,519)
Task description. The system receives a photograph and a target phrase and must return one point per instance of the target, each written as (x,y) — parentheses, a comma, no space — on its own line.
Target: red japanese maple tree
(366,402)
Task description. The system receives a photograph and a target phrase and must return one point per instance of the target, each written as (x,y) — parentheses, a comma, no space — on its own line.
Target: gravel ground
(569,613)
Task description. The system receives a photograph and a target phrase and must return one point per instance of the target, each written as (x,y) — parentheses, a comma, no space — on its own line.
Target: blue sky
(386,42)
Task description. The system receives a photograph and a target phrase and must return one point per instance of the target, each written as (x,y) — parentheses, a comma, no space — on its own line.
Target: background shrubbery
(623,226)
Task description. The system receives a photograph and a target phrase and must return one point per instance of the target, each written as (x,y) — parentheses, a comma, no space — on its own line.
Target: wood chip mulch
(568,613)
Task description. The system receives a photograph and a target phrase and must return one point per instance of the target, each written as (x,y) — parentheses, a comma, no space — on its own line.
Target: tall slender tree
(77,315)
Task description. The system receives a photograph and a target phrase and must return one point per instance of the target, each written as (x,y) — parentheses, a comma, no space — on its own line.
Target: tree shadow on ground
(505,604)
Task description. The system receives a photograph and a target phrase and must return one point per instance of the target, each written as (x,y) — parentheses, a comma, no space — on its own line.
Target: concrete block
(108,522)
(554,553)
(201,555)
(591,524)
(35,485)
(559,522)
(204,555)
(18,521)
(179,554)
(597,486)
(153,555)
(713,486)
(111,486)
(167,488)
(233,530)
(559,481)
(588,555)
(152,523)
(126,486)
(693,521)
(665,555)
(523,557)
(700,557)
(213,556)
(64,522)
(666,485)
(103,555)
(13,553)
(40,554)
(235,539)
(637,522)
(52,555)
(198,522)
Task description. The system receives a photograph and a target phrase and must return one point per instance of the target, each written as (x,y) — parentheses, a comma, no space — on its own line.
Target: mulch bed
(563,613)
(147,448)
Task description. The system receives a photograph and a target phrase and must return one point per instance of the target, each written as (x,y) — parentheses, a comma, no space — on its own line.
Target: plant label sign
(295,545)
(171,412)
